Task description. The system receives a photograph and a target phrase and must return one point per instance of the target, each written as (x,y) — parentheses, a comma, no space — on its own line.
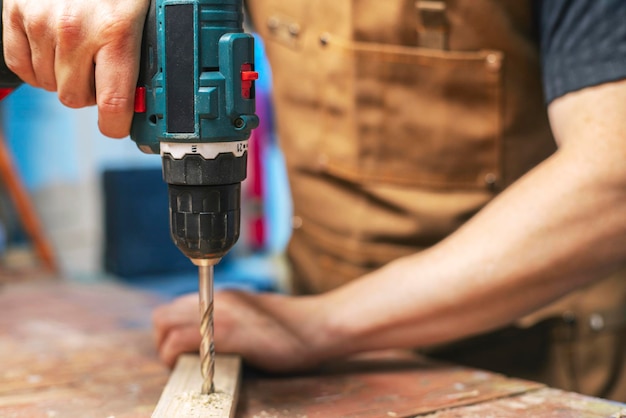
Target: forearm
(559,227)
(505,262)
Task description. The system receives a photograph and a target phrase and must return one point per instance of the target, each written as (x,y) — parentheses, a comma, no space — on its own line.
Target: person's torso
(399,121)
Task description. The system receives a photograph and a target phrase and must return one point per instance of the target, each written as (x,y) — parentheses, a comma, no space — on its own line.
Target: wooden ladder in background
(25,209)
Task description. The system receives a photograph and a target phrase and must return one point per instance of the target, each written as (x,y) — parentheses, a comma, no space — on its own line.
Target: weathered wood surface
(81,351)
(544,402)
(181,396)
(407,386)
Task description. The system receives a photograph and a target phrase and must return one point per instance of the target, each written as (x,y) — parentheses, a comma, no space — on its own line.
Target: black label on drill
(179,68)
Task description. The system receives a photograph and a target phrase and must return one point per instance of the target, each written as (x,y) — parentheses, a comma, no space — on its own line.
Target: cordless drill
(194,105)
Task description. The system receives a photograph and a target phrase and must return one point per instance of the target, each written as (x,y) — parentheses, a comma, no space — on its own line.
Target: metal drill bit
(207,347)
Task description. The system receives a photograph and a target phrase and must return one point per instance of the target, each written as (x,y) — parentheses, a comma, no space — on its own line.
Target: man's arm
(561,226)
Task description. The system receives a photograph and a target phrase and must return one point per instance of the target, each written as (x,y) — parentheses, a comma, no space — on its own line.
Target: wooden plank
(181,396)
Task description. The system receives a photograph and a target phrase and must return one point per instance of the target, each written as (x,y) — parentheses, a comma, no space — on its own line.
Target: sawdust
(197,402)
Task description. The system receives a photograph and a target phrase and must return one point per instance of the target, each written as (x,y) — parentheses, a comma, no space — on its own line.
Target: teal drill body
(195,106)
(193,57)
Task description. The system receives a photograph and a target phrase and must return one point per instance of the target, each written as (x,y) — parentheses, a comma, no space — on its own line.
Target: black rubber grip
(179,68)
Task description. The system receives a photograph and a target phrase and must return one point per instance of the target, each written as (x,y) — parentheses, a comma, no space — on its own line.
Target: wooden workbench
(85,350)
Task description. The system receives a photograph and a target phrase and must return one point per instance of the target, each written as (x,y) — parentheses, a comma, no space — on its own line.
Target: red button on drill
(247,78)
(140,99)
(249,75)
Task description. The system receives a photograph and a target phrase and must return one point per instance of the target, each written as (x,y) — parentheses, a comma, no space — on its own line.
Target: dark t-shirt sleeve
(583,44)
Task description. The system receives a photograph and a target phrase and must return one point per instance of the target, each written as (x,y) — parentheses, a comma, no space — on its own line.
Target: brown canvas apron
(400,119)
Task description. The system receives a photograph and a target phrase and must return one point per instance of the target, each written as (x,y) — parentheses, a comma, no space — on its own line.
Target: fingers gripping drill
(194,105)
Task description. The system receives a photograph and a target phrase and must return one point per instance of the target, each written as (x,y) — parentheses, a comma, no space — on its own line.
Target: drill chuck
(204,220)
(205,202)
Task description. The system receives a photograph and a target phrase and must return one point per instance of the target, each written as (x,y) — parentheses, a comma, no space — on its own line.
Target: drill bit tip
(207,347)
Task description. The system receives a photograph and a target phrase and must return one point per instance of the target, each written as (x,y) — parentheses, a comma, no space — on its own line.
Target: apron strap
(432,26)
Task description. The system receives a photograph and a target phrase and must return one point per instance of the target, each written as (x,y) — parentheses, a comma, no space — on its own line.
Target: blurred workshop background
(103,204)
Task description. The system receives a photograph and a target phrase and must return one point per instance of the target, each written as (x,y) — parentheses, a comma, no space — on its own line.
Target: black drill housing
(205,203)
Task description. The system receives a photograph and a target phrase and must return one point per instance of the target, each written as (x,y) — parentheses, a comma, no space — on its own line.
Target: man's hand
(270,331)
(87,50)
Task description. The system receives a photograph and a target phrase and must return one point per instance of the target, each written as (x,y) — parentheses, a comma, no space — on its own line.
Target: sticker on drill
(208,150)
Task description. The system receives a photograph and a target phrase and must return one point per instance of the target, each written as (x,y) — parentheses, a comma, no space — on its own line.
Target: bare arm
(559,227)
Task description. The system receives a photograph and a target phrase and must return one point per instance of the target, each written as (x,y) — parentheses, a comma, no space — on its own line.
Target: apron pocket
(427,118)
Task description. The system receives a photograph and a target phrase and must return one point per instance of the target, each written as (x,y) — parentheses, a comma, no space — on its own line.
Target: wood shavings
(215,400)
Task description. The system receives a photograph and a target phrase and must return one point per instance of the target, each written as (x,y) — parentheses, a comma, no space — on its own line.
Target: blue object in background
(136,219)
(138,247)
(51,143)
(42,137)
